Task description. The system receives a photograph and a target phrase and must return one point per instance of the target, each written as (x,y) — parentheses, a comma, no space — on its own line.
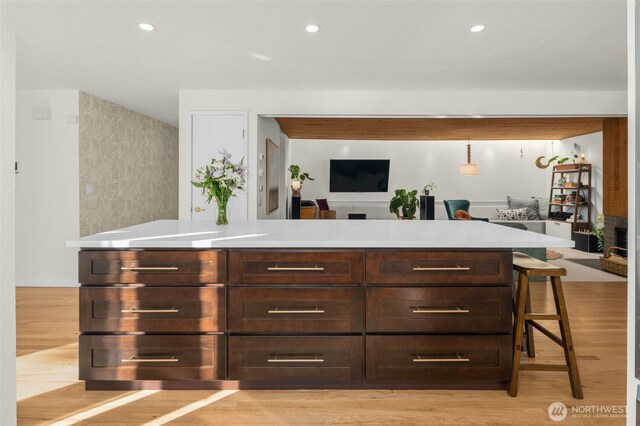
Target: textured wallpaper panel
(128,167)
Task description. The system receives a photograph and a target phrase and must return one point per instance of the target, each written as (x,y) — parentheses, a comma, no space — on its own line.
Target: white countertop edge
(319,234)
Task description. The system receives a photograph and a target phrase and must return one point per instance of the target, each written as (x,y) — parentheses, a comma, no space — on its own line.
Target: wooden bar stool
(527,266)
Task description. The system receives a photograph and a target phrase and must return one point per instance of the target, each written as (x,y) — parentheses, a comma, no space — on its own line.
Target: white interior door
(212,132)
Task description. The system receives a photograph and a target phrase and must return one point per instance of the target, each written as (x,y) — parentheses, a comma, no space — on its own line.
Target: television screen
(359,176)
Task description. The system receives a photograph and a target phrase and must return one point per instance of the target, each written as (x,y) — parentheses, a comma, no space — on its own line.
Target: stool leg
(565,334)
(531,347)
(523,287)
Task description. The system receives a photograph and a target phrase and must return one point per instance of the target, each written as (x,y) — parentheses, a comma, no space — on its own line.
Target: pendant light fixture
(469,169)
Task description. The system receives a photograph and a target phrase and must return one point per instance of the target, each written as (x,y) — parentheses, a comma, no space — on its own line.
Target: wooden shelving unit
(579,181)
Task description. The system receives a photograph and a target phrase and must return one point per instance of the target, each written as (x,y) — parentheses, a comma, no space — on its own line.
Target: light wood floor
(48,324)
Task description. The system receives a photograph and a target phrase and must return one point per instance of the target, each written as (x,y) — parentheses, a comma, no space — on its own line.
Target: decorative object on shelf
(562,181)
(221,180)
(430,186)
(469,169)
(598,230)
(297,179)
(555,158)
(404,201)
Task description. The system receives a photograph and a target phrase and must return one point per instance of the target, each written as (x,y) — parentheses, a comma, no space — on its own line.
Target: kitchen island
(299,304)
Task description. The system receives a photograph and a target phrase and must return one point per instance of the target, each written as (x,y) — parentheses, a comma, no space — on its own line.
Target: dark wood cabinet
(152,267)
(466,268)
(160,309)
(163,357)
(296,358)
(454,358)
(298,267)
(295,318)
(296,310)
(439,310)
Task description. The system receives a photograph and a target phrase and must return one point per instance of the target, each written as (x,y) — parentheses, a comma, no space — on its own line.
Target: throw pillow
(462,215)
(531,204)
(512,214)
(322,204)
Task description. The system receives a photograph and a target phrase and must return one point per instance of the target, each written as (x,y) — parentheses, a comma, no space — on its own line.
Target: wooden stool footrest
(546,332)
(544,367)
(549,317)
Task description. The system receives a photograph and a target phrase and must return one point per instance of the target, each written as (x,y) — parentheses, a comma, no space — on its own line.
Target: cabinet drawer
(296,267)
(439,357)
(162,357)
(439,309)
(439,267)
(153,267)
(296,310)
(157,309)
(282,358)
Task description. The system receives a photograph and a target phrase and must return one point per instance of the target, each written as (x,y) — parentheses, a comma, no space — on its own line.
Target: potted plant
(430,186)
(598,230)
(219,181)
(405,202)
(297,179)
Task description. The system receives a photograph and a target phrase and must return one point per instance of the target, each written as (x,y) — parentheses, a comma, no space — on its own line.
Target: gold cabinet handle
(150,311)
(133,359)
(458,358)
(295,311)
(425,310)
(443,268)
(198,209)
(316,358)
(295,268)
(148,268)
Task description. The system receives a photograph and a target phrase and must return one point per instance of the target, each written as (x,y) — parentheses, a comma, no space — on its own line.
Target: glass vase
(221,218)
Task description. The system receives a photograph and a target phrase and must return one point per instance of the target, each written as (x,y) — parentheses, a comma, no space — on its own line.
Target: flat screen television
(359,176)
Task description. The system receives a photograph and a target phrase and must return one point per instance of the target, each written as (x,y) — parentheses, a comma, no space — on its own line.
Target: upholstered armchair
(452,206)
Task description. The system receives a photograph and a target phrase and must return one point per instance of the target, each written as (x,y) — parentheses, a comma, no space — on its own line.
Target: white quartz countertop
(319,234)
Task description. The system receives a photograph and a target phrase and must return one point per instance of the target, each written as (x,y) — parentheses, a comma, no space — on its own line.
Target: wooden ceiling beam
(530,128)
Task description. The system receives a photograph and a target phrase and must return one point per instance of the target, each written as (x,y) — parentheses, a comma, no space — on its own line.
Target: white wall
(7,215)
(376,103)
(269,128)
(501,172)
(47,189)
(591,146)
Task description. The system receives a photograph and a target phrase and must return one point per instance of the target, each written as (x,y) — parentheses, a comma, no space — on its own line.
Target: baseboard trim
(47,284)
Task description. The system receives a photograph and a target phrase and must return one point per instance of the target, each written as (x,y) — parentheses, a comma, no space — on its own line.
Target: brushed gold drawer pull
(443,268)
(316,358)
(295,311)
(423,310)
(142,360)
(295,268)
(458,358)
(150,311)
(148,268)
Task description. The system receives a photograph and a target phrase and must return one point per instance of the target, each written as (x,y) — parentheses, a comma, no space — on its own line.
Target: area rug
(553,255)
(591,263)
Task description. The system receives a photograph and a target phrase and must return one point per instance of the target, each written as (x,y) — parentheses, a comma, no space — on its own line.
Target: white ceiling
(96,46)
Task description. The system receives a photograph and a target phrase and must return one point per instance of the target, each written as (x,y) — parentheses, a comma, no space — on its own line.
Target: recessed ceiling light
(440,116)
(477,28)
(312,28)
(476,116)
(146,26)
(260,56)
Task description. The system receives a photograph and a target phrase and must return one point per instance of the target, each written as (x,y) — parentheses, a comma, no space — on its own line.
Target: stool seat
(533,267)
(526,267)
